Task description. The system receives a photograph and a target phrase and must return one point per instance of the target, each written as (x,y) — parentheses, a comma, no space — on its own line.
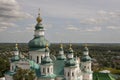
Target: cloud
(113,27)
(71,27)
(10,12)
(94,29)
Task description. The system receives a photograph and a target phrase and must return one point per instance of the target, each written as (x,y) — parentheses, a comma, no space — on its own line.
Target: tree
(24,74)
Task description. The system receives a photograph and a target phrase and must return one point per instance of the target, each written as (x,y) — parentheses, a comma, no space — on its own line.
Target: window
(37,59)
(68,74)
(48,70)
(41,57)
(72,74)
(43,70)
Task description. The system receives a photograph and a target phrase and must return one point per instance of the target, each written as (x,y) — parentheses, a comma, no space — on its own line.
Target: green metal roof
(102,76)
(15,58)
(70,51)
(46,60)
(38,43)
(59,67)
(61,57)
(86,49)
(70,62)
(10,73)
(85,58)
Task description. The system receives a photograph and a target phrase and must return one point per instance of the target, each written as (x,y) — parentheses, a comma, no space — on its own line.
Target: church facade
(49,67)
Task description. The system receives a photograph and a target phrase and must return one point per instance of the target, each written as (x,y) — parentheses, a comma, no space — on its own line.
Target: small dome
(38,42)
(46,60)
(61,57)
(86,49)
(70,62)
(15,58)
(86,58)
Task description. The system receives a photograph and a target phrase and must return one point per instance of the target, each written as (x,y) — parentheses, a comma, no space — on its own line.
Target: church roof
(38,43)
(85,58)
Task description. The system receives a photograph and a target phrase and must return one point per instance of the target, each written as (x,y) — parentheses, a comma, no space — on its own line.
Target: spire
(16,47)
(70,46)
(61,47)
(86,48)
(39,19)
(47,49)
(70,49)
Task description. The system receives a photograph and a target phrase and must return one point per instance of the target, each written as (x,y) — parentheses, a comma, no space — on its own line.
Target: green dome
(46,60)
(15,58)
(61,57)
(38,42)
(85,58)
(86,49)
(70,62)
(70,51)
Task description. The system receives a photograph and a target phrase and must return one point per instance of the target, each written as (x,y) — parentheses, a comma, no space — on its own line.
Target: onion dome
(86,48)
(46,59)
(38,43)
(70,62)
(61,55)
(16,47)
(70,50)
(85,58)
(16,56)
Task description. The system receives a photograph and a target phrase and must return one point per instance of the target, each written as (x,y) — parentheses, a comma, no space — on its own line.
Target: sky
(65,21)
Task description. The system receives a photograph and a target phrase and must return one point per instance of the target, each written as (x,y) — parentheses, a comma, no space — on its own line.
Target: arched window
(48,70)
(68,74)
(72,74)
(41,57)
(43,70)
(37,59)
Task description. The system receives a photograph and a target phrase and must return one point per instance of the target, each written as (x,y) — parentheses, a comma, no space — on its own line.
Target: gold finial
(16,45)
(70,46)
(47,45)
(39,19)
(61,45)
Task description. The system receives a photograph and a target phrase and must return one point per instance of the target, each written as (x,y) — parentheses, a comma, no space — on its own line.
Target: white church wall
(34,54)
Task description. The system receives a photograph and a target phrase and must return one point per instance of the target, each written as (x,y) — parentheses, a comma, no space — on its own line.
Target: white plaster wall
(87,64)
(70,70)
(7,77)
(46,71)
(39,33)
(87,76)
(23,64)
(34,55)
(86,53)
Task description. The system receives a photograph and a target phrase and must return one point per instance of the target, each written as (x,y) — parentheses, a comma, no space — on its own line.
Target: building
(48,67)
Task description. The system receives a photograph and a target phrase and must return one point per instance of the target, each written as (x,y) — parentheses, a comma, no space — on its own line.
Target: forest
(105,56)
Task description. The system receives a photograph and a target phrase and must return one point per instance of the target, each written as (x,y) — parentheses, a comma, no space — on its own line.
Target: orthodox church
(49,67)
